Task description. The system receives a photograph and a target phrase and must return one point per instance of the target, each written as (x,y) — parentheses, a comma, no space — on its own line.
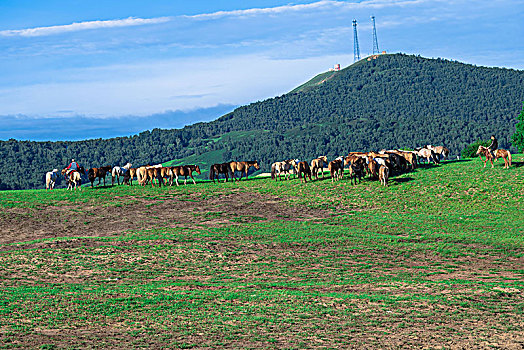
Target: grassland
(435,260)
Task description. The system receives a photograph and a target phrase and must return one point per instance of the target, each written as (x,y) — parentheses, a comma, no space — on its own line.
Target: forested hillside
(393,101)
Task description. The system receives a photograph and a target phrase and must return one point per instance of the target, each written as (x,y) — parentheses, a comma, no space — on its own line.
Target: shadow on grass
(457,161)
(96,186)
(402,179)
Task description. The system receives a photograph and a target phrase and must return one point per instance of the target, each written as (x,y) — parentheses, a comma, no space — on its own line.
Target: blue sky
(112,59)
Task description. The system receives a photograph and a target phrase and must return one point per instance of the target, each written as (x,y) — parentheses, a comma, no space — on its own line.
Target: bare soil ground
(428,314)
(19,225)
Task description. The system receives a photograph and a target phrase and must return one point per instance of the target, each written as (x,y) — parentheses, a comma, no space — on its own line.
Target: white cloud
(324,4)
(78,26)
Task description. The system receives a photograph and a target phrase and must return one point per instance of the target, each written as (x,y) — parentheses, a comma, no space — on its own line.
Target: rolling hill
(394,101)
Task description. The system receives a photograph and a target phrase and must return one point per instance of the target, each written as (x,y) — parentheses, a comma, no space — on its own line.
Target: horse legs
(176,180)
(185,180)
(194,182)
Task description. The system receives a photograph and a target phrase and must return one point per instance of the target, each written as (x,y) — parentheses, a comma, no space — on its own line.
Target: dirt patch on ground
(122,214)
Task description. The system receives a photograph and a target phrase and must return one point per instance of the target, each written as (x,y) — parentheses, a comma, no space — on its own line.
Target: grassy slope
(314,82)
(432,259)
(208,158)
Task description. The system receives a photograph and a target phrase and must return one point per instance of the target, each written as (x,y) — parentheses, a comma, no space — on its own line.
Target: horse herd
(378,165)
(147,174)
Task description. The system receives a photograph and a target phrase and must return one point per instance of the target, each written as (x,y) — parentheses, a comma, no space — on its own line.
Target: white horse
(381,161)
(73,179)
(50,179)
(441,151)
(119,171)
(279,168)
(427,154)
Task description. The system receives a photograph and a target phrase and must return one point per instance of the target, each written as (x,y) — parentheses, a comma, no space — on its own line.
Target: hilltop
(394,101)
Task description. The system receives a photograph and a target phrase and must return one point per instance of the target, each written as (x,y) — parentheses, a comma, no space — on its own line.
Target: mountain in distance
(395,100)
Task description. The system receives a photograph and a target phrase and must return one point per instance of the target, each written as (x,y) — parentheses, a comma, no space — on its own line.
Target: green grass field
(435,260)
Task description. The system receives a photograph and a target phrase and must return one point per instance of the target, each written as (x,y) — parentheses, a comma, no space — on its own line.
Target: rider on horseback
(493,146)
(73,166)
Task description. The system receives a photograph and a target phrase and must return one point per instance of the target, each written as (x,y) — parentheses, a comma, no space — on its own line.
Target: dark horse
(304,170)
(101,172)
(243,167)
(217,169)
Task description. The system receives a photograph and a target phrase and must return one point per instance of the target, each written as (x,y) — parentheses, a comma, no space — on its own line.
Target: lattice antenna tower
(356,49)
(375,39)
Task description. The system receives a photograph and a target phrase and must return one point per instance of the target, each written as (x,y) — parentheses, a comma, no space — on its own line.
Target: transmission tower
(375,39)
(356,49)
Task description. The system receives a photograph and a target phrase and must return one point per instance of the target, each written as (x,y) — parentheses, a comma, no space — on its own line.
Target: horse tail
(509,157)
(273,171)
(139,176)
(212,173)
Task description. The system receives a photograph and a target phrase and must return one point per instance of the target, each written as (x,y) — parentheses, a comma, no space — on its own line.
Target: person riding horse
(73,166)
(493,146)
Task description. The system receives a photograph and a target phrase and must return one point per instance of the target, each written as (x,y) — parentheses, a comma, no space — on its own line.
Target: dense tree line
(518,136)
(393,101)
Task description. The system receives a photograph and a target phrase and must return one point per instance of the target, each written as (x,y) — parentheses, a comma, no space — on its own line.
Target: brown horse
(484,151)
(372,167)
(356,169)
(504,154)
(410,157)
(132,175)
(243,167)
(167,174)
(303,168)
(383,175)
(336,169)
(351,158)
(318,165)
(217,169)
(499,153)
(99,173)
(184,170)
(153,173)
